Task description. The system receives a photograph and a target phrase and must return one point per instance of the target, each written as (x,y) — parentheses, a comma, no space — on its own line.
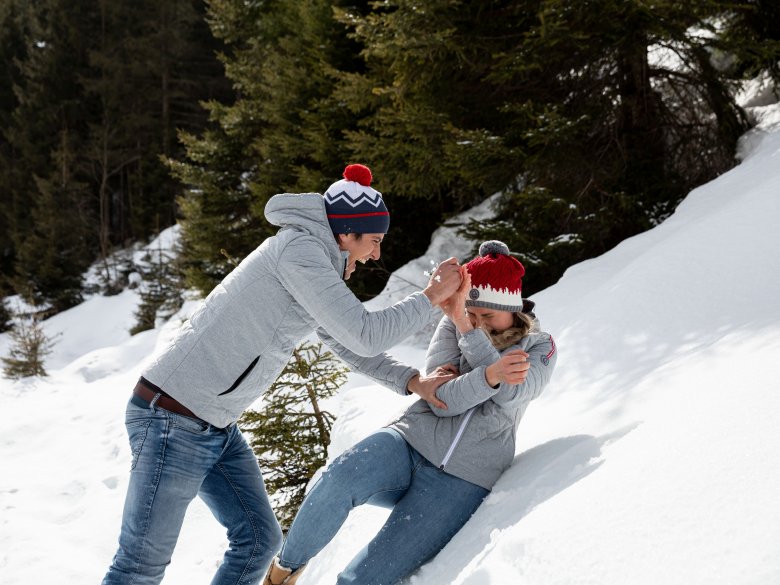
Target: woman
(433,466)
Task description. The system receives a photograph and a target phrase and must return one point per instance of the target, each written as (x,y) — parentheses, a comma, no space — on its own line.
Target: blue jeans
(384,470)
(174,459)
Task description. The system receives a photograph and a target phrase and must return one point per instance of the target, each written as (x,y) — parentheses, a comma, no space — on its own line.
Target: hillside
(652,457)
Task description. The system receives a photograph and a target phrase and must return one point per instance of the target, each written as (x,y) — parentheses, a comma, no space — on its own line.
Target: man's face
(360,249)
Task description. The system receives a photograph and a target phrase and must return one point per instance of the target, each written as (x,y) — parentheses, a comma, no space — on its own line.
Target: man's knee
(275,541)
(259,539)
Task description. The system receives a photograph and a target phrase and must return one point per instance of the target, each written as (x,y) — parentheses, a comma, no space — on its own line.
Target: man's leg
(236,495)
(171,456)
(377,470)
(430,513)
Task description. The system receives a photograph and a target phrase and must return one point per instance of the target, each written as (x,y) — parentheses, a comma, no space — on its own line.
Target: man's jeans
(174,459)
(429,507)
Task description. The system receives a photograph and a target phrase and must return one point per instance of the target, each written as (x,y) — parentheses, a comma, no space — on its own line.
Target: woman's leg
(377,470)
(432,510)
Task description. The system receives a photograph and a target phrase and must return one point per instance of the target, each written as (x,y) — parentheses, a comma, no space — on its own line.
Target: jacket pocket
(240,379)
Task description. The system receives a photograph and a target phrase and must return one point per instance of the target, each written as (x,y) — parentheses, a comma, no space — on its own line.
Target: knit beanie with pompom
(353,206)
(496,279)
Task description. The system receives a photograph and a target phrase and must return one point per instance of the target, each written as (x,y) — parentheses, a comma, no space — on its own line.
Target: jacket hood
(305,212)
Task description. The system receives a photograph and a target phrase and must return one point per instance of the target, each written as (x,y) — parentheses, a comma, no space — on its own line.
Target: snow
(651,458)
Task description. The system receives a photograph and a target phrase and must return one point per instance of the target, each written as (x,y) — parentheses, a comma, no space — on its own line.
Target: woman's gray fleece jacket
(474,439)
(236,344)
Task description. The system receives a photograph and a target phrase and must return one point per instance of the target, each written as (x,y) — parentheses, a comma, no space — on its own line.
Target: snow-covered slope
(652,458)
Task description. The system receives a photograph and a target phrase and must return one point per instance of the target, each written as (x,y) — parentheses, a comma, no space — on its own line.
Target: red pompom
(358,173)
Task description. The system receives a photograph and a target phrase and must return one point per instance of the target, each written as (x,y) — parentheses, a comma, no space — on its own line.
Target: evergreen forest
(592,119)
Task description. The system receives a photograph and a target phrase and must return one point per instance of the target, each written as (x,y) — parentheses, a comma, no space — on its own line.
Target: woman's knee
(384,447)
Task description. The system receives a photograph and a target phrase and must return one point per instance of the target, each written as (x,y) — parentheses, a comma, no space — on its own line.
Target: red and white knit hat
(496,279)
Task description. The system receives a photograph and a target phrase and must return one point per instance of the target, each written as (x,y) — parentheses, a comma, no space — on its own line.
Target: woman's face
(491,319)
(360,249)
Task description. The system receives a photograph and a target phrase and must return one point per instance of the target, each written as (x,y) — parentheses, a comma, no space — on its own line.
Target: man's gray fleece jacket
(236,344)
(474,439)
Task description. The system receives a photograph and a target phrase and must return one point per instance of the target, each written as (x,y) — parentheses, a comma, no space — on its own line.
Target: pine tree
(284,133)
(288,131)
(45,134)
(219,226)
(5,315)
(290,435)
(13,30)
(301,147)
(424,81)
(556,103)
(52,258)
(145,82)
(160,290)
(611,138)
(119,128)
(752,36)
(428,115)
(151,65)
(114,81)
(559,104)
(29,349)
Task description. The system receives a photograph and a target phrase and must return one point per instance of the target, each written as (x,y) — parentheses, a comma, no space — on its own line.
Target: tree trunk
(324,434)
(641,132)
(165,82)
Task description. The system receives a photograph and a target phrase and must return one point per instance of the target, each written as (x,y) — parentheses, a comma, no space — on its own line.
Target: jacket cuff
(404,389)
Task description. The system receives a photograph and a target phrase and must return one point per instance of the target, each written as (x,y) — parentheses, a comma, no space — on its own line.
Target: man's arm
(306,272)
(391,373)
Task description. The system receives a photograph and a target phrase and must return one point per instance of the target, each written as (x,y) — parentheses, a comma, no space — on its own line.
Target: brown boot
(279,575)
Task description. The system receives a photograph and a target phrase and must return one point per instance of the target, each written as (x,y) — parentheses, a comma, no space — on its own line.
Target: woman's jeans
(174,459)
(429,507)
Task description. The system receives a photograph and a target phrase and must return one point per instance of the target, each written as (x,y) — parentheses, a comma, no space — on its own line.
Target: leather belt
(147,392)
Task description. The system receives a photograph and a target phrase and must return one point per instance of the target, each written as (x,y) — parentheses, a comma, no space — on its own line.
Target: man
(181,417)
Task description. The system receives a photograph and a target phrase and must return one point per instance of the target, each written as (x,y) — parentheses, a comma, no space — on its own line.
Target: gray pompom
(493,247)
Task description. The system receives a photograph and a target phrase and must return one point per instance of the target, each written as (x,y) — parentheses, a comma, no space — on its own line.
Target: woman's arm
(443,348)
(542,357)
(473,388)
(455,336)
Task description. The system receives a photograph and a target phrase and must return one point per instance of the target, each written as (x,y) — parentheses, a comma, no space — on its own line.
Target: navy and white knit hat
(496,279)
(353,207)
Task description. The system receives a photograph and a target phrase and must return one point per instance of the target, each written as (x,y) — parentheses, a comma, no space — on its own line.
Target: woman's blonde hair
(522,326)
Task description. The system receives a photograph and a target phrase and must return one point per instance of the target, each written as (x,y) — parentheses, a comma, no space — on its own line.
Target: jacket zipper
(455,441)
(240,379)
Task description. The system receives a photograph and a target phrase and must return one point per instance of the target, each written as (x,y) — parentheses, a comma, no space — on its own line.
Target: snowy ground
(652,458)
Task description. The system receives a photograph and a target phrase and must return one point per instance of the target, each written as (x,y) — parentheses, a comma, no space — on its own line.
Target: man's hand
(425,386)
(511,368)
(444,281)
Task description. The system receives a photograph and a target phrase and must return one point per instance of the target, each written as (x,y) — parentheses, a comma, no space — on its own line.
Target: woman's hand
(425,386)
(511,368)
(455,306)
